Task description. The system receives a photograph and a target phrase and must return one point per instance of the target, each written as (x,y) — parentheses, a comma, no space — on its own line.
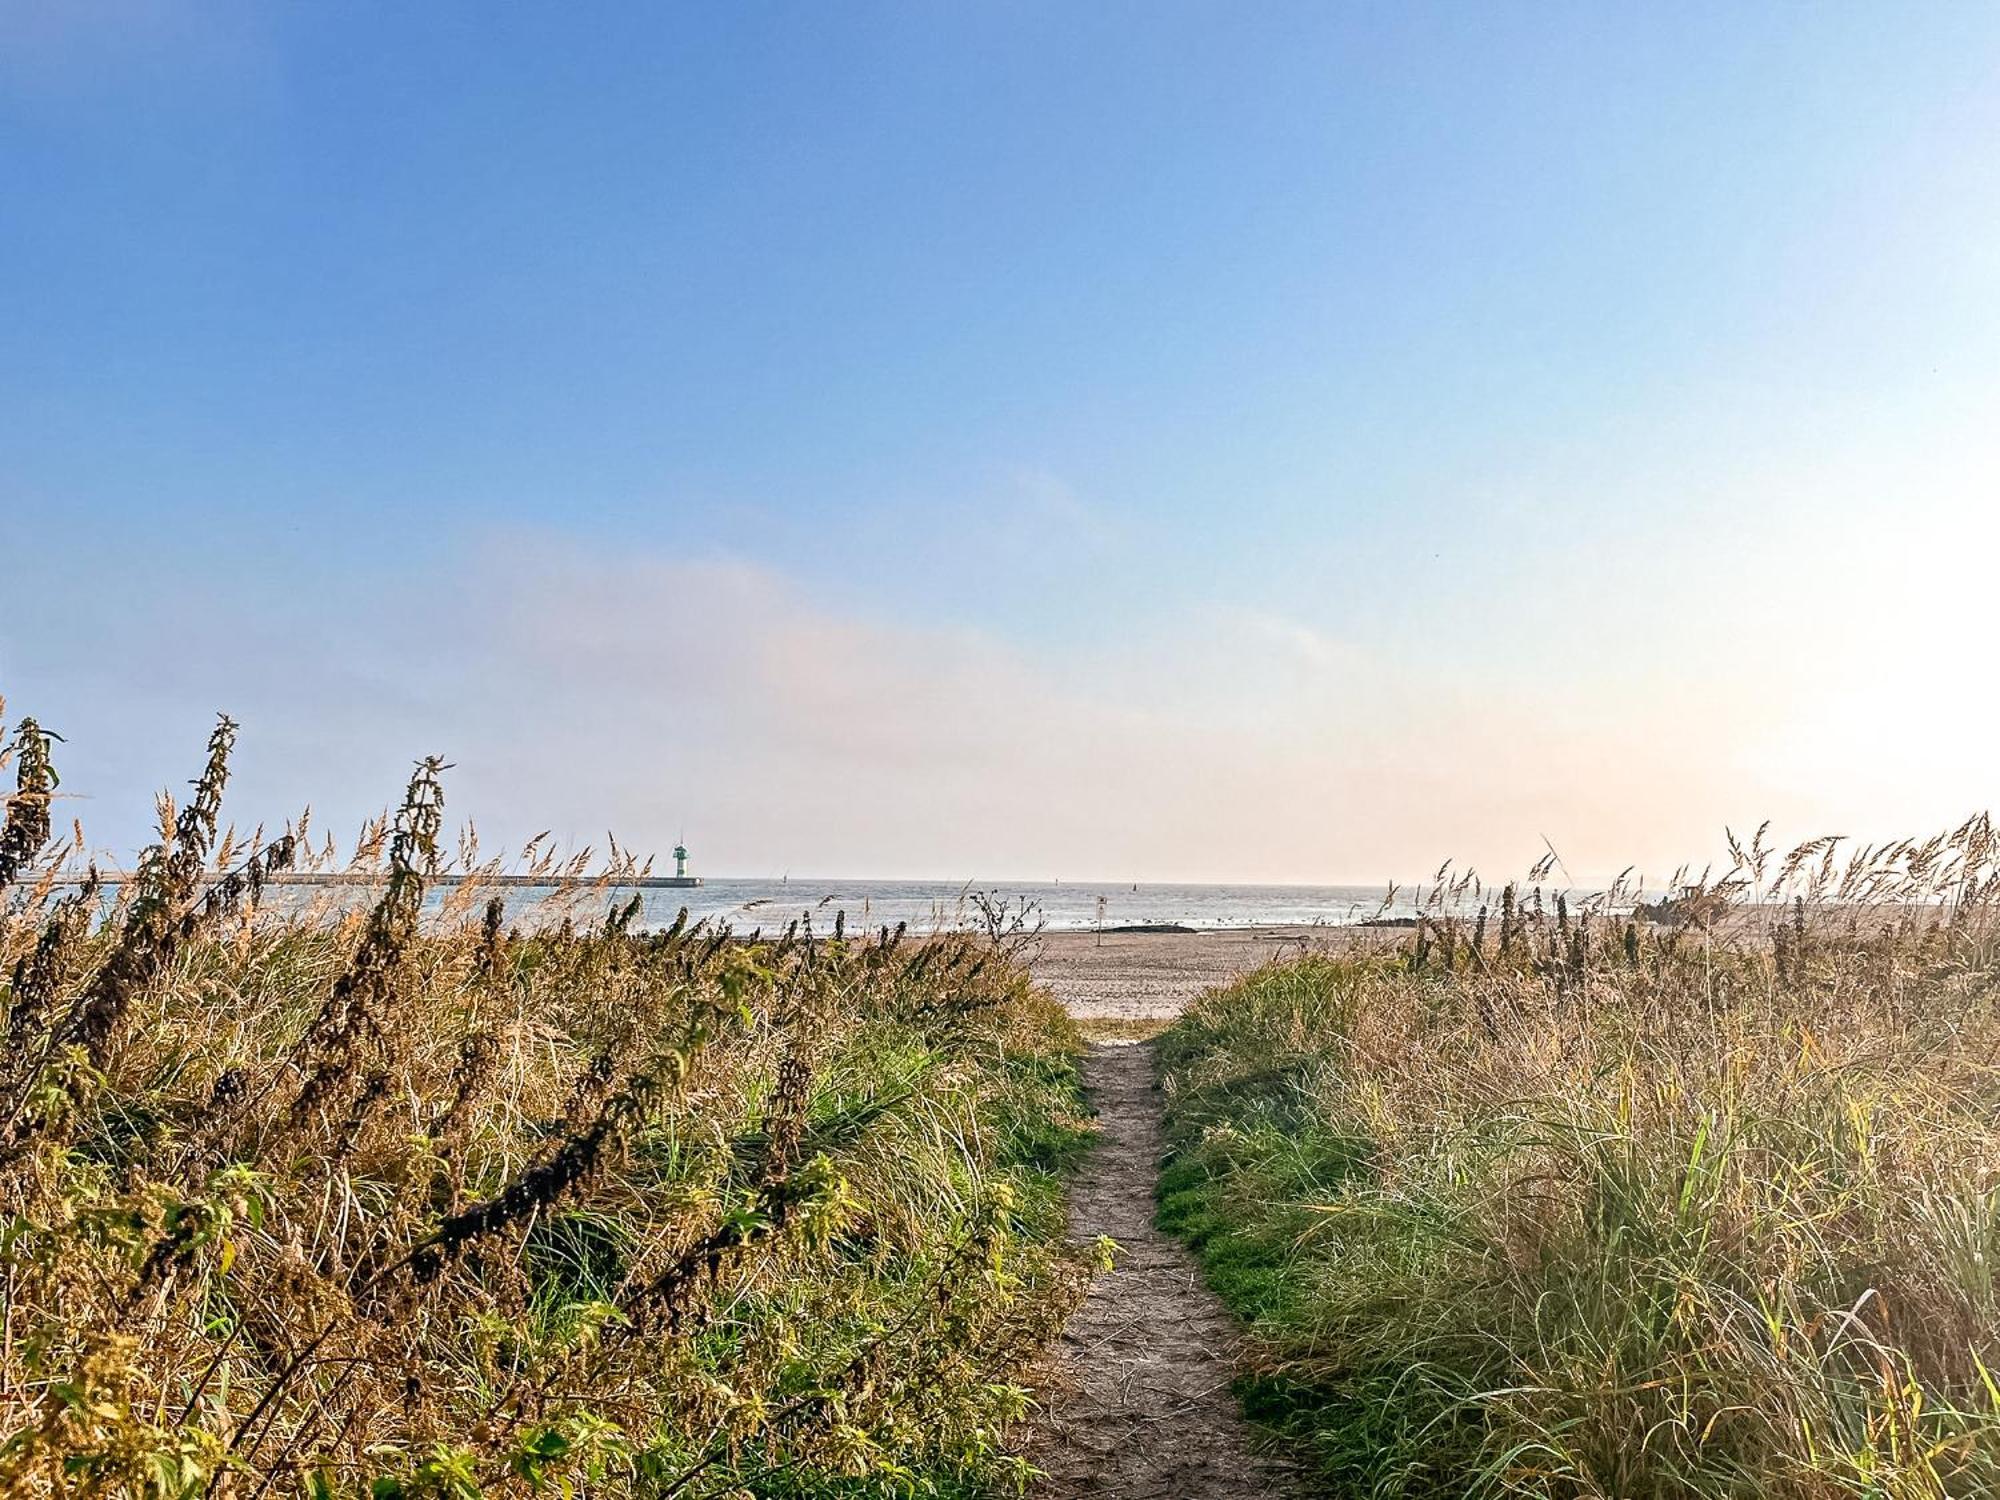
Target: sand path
(1148,1413)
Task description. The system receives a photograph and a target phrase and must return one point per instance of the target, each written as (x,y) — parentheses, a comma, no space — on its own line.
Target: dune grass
(413,1197)
(1597,1207)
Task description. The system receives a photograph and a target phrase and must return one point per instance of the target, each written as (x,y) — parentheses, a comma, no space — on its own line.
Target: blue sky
(1276,442)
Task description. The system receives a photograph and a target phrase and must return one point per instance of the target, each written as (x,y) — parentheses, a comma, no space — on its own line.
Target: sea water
(926,906)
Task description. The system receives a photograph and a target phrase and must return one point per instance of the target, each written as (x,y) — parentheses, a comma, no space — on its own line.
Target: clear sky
(1290,442)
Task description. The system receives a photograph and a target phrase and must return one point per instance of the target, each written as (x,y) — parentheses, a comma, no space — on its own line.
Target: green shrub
(297,1198)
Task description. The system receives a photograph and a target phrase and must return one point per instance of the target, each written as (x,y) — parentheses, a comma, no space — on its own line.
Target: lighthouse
(680,877)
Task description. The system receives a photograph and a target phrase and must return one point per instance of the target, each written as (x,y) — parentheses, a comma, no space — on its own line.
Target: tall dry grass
(1557,1201)
(415,1198)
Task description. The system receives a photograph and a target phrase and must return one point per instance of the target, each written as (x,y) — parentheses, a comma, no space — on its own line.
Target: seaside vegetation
(414,1196)
(1565,1203)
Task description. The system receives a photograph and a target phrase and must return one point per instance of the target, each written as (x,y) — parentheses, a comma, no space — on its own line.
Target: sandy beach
(1151,976)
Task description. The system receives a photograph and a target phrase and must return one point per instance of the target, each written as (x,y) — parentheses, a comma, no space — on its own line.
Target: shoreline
(1148,976)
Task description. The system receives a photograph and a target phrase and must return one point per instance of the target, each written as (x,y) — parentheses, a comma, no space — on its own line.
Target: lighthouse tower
(680,879)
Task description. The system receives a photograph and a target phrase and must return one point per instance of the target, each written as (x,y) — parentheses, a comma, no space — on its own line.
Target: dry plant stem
(1716,1168)
(389,1200)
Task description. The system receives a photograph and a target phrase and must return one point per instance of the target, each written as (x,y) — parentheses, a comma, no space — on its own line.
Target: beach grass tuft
(410,1195)
(1696,1198)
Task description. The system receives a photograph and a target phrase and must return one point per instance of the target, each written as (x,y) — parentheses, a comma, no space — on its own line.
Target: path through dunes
(1147,1413)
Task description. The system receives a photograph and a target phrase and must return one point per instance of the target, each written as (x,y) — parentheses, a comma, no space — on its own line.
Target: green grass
(396,1202)
(1688,1218)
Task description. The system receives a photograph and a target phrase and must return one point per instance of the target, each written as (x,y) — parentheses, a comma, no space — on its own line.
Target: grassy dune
(415,1201)
(1541,1206)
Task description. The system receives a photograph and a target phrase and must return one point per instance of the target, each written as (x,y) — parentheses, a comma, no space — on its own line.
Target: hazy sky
(1128,441)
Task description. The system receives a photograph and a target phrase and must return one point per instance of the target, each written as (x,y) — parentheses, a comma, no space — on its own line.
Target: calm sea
(929,905)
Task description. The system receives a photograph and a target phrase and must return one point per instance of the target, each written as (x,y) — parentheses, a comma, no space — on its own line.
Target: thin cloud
(588,686)
(1052,507)
(1292,639)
